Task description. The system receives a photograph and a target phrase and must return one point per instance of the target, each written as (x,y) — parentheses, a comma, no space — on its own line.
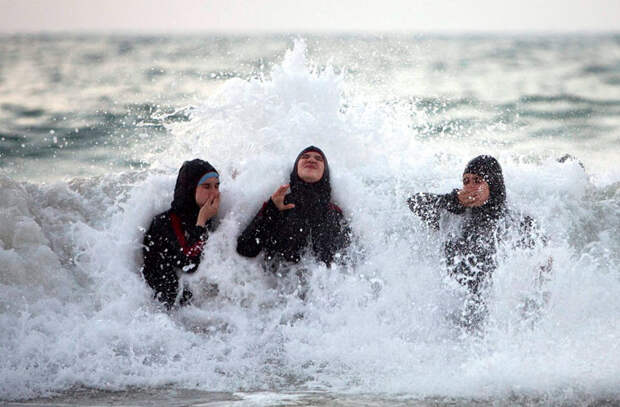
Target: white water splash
(75,311)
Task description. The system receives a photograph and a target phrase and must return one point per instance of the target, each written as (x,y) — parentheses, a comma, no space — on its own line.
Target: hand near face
(208,209)
(475,191)
(469,198)
(278,198)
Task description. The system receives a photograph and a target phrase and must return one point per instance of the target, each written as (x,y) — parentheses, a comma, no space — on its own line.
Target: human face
(310,167)
(207,191)
(476,188)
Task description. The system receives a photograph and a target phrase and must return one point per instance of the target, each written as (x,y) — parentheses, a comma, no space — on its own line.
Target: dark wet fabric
(165,257)
(310,199)
(470,255)
(315,224)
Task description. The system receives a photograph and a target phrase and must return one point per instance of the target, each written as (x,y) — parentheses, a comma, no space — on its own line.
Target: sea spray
(77,313)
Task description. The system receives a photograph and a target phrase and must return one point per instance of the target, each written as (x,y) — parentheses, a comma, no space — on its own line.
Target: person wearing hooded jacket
(289,224)
(471,255)
(174,241)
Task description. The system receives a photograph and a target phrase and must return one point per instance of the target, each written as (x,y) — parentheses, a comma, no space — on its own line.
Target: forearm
(428,206)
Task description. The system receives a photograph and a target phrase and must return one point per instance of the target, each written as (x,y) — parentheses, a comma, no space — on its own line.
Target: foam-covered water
(75,312)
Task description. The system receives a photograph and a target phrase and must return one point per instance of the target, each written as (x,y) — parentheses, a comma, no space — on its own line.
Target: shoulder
(263,208)
(160,220)
(159,229)
(164,216)
(530,227)
(527,228)
(336,214)
(268,208)
(335,208)
(522,221)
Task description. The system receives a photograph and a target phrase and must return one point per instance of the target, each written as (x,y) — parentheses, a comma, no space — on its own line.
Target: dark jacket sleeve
(264,225)
(429,206)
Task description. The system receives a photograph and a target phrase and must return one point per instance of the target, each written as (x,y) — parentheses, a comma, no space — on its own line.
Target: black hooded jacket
(470,255)
(173,242)
(314,223)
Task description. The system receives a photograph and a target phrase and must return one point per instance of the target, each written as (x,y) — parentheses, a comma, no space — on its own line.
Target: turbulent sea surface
(94,128)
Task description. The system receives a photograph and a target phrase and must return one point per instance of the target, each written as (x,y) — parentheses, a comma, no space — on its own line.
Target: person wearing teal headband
(211,174)
(174,241)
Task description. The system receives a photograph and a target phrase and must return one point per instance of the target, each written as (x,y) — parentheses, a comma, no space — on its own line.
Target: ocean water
(93,130)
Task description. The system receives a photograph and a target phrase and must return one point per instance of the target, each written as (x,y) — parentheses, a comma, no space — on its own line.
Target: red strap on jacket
(335,207)
(191,251)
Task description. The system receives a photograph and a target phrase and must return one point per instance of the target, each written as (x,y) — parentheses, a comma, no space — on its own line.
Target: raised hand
(471,198)
(208,210)
(278,198)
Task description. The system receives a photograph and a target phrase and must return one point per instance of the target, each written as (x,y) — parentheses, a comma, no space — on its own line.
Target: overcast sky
(167,16)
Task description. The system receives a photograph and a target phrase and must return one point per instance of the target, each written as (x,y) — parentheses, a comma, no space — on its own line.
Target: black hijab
(184,202)
(310,199)
(489,169)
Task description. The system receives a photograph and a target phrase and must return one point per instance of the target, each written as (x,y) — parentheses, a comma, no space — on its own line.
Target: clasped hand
(208,210)
(470,198)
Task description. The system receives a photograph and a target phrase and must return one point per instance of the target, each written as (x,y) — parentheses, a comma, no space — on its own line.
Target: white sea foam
(76,312)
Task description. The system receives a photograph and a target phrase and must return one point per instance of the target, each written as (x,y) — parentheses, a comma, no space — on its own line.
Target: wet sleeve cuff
(197,232)
(451,202)
(270,210)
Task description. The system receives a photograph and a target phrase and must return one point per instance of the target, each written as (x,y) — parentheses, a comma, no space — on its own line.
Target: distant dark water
(396,115)
(73,105)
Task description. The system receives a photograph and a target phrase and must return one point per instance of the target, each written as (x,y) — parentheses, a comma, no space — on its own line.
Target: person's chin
(309,180)
(307,176)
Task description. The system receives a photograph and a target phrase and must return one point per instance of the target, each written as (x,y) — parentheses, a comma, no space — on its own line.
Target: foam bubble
(76,312)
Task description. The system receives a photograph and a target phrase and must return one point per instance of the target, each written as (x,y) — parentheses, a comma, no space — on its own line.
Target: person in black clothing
(305,219)
(174,241)
(471,254)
